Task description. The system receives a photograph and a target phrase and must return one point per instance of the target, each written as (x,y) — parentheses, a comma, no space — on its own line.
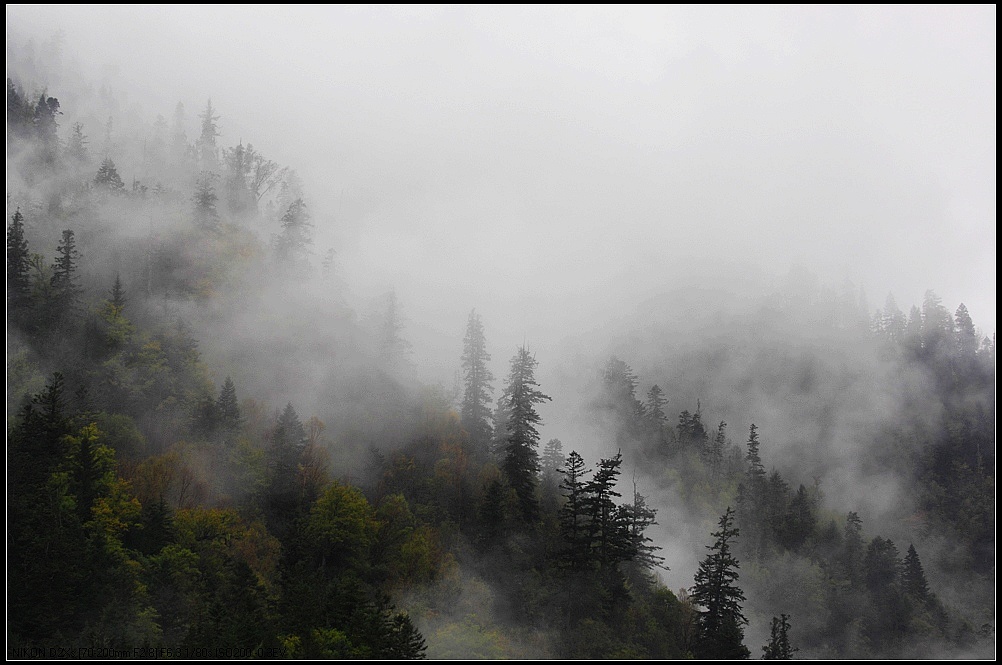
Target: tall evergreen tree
(967,338)
(721,622)
(65,289)
(913,576)
(292,246)
(76,146)
(205,198)
(779,647)
(227,407)
(553,456)
(521,461)
(18,265)
(208,158)
(574,513)
(655,405)
(607,525)
(755,469)
(477,378)
(639,517)
(107,177)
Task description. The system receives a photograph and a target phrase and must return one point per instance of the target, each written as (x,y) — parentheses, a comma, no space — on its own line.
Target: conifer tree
(608,527)
(755,471)
(779,647)
(639,517)
(553,457)
(292,246)
(227,407)
(655,406)
(18,265)
(65,290)
(206,144)
(521,461)
(913,576)
(574,513)
(205,198)
(721,621)
(107,177)
(476,410)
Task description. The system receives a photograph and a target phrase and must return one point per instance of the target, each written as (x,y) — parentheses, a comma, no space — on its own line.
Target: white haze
(561,169)
(555,167)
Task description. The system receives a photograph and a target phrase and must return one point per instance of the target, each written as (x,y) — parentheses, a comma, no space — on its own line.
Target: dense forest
(173,489)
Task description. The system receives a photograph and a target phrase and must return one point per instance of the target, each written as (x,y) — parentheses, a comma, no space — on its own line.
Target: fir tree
(65,290)
(107,177)
(913,576)
(721,621)
(206,144)
(227,407)
(292,246)
(521,461)
(608,528)
(574,513)
(205,198)
(475,411)
(779,647)
(18,265)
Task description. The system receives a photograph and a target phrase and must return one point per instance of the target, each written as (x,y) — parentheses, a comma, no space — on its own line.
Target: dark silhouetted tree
(521,461)
(779,647)
(913,576)
(721,621)
(574,513)
(18,266)
(227,407)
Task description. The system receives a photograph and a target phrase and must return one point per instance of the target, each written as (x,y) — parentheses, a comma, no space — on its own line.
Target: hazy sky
(554,167)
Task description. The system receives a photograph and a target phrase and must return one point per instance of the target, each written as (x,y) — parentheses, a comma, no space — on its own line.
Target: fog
(683,187)
(555,168)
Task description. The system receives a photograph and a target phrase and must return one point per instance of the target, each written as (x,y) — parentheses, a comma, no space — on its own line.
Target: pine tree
(655,406)
(292,246)
(18,265)
(206,144)
(107,177)
(756,471)
(574,513)
(640,517)
(118,295)
(65,290)
(608,529)
(913,576)
(76,147)
(721,621)
(45,128)
(553,457)
(239,199)
(206,214)
(476,410)
(393,348)
(967,338)
(227,407)
(521,461)
(715,451)
(779,647)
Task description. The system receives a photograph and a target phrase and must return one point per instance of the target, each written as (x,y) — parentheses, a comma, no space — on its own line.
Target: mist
(721,198)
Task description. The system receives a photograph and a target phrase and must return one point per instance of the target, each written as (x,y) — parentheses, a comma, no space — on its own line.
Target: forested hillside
(211,453)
